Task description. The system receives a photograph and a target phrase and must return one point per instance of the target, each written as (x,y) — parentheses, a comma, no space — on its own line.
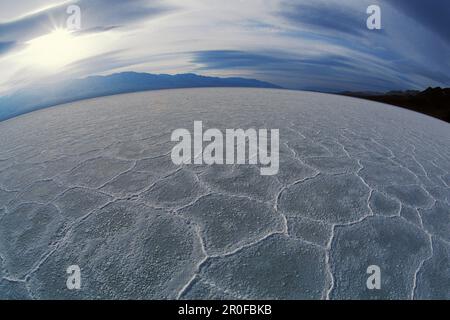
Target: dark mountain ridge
(434,102)
(50,94)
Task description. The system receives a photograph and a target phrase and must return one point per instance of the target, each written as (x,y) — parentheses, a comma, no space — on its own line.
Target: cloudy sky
(298,44)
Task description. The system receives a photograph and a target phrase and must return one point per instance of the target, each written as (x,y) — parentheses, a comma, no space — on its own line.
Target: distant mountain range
(434,102)
(46,95)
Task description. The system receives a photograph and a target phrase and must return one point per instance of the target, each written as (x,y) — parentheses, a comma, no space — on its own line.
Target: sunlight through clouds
(55,50)
(301,44)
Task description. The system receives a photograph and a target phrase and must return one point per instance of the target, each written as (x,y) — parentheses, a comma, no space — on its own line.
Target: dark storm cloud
(433,14)
(314,73)
(409,67)
(330,16)
(234,59)
(343,23)
(96,15)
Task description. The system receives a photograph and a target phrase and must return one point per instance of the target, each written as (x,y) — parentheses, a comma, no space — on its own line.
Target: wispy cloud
(307,72)
(432,14)
(97,15)
(6,46)
(320,44)
(326,16)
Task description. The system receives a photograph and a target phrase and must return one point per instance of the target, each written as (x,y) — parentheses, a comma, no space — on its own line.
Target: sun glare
(54,50)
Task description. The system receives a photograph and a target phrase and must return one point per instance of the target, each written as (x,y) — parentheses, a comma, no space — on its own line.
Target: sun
(54,50)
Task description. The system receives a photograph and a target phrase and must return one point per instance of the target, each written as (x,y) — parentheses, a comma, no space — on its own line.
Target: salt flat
(92,184)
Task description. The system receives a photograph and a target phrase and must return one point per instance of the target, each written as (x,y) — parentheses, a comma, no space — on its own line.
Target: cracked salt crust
(360,183)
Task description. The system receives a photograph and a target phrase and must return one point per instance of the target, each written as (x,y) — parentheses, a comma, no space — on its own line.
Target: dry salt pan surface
(92,184)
